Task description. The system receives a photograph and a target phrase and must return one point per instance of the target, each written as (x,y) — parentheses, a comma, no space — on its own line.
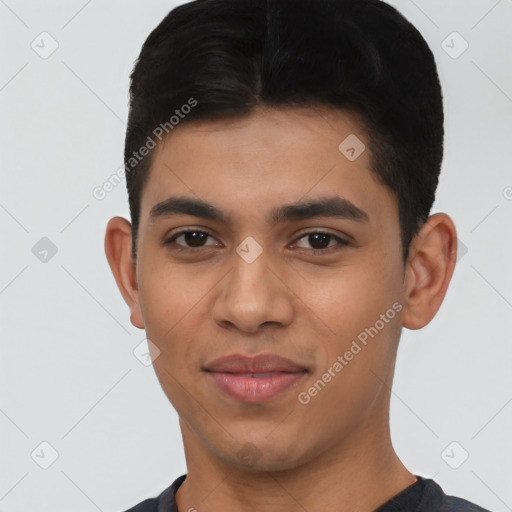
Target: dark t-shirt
(425,495)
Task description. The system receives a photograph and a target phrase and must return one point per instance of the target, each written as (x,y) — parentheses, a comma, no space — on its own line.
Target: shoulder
(149,505)
(448,503)
(164,502)
(454,504)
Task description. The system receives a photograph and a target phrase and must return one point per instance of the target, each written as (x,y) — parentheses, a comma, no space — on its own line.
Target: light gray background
(68,373)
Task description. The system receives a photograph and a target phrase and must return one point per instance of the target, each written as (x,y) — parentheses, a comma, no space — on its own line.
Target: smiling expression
(259,237)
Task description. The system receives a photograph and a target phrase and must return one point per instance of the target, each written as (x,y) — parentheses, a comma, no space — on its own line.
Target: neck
(358,474)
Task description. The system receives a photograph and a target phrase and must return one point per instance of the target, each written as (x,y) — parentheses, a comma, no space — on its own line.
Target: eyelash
(317,252)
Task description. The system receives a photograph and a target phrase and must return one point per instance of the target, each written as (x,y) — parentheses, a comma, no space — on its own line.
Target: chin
(265,465)
(259,456)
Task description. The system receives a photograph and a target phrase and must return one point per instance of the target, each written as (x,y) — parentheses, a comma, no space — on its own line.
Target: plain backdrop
(75,396)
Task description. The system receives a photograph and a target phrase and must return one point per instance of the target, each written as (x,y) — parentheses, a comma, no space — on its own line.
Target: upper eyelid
(308,231)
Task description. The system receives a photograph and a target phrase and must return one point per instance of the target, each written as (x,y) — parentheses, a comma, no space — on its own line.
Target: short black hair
(216,59)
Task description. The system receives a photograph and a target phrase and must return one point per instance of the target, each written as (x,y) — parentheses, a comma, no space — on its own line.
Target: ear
(118,239)
(429,269)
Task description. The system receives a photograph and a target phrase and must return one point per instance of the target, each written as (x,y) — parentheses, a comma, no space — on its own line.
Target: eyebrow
(332,206)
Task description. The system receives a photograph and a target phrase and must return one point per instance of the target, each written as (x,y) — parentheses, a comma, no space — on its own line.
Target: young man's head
(282,158)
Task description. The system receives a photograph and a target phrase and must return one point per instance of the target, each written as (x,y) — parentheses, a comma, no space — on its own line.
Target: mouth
(255,379)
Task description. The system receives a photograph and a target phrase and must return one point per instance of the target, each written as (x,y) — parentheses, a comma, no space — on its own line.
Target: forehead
(270,158)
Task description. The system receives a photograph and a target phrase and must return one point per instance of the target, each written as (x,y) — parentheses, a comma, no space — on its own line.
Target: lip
(254,379)
(262,363)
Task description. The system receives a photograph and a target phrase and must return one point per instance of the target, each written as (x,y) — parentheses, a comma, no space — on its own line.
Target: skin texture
(334,452)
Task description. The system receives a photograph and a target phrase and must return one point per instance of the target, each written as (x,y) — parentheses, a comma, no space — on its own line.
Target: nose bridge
(250,278)
(252,294)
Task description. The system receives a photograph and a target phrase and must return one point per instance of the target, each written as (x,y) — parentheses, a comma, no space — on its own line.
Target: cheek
(363,329)
(357,312)
(170,300)
(345,300)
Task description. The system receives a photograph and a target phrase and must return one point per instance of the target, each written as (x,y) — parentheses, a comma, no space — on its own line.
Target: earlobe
(429,270)
(118,237)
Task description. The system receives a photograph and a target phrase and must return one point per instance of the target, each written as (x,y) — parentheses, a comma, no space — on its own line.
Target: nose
(253,294)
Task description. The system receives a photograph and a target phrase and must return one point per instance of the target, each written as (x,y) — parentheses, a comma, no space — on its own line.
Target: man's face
(304,297)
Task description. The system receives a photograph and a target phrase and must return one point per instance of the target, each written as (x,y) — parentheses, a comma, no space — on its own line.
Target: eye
(320,241)
(193,237)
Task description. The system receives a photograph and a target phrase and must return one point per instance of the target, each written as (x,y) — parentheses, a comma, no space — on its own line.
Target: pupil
(190,240)
(317,236)
(194,238)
